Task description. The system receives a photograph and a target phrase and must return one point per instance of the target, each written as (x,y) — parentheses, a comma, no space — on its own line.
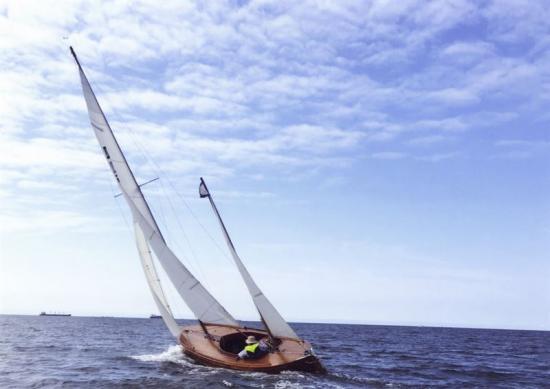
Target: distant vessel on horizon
(153,316)
(54,314)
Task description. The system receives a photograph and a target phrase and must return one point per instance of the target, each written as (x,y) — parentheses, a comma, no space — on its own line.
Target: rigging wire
(224,253)
(159,172)
(164,221)
(119,207)
(193,254)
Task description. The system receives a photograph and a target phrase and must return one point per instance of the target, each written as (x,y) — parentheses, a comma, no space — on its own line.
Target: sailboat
(217,337)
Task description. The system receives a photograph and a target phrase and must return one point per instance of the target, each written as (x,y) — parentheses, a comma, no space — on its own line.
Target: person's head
(251,340)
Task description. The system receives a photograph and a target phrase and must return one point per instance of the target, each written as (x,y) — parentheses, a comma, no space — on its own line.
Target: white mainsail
(272,319)
(205,307)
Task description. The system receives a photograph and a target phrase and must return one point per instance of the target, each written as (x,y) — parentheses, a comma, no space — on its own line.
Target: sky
(375,162)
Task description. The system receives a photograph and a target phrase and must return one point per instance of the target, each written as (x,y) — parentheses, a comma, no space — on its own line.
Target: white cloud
(454,96)
(513,21)
(520,148)
(234,87)
(49,153)
(468,52)
(46,221)
(439,157)
(389,155)
(428,140)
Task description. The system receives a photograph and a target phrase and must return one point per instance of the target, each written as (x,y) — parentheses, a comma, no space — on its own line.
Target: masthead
(74,55)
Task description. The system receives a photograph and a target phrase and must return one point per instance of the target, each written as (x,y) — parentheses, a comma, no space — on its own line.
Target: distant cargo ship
(54,314)
(153,316)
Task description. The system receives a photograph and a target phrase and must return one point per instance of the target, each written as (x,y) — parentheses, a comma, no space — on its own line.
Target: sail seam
(96,126)
(195,284)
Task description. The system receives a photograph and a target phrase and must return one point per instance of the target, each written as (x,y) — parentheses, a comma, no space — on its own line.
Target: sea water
(90,352)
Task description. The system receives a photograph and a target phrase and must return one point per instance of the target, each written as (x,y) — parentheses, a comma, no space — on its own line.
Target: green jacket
(251,348)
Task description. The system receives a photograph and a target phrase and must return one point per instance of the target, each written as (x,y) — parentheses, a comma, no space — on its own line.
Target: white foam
(175,354)
(285,384)
(253,374)
(172,354)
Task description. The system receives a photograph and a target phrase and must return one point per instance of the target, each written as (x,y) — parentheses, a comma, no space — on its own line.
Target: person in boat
(254,349)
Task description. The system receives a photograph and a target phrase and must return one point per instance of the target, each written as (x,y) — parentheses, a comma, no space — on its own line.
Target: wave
(173,354)
(356,380)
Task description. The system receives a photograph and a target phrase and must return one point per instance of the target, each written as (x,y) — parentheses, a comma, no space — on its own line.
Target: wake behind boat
(218,338)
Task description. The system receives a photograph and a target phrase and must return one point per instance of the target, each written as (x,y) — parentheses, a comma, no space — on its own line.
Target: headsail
(272,319)
(154,282)
(202,303)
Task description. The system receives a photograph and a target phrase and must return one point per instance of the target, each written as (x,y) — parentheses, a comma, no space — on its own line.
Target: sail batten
(204,306)
(272,319)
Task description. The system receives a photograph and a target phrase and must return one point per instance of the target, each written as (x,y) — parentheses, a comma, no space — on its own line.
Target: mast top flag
(203,190)
(218,334)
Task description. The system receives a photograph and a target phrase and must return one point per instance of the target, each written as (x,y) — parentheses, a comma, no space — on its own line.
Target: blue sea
(90,352)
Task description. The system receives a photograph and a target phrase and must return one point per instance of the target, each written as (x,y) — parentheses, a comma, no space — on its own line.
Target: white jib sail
(154,282)
(269,314)
(201,302)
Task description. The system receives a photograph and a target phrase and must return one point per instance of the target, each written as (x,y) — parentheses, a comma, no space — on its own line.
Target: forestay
(272,319)
(203,305)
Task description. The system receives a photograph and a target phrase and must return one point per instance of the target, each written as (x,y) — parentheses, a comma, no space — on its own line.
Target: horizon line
(323,321)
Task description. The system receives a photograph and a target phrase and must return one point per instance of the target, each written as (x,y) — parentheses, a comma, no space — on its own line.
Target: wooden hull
(291,354)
